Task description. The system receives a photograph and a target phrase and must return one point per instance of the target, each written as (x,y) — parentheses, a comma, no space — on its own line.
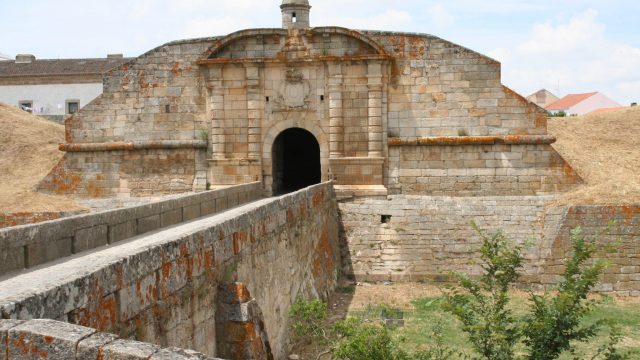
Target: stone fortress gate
(414,135)
(377,112)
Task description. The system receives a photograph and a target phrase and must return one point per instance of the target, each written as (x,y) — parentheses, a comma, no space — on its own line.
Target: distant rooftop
(28,65)
(569,101)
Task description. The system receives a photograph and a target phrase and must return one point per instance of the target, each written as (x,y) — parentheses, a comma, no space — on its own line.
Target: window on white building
(26,105)
(72,106)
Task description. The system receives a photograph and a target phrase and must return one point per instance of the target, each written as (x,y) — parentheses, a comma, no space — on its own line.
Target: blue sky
(566,46)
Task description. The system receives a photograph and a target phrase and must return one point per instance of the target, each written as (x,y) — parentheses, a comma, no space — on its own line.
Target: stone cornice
(473,140)
(133,145)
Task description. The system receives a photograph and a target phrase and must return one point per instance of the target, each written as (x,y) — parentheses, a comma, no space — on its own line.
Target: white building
(581,104)
(53,88)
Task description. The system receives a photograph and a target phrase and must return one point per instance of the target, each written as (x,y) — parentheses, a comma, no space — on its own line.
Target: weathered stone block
(11,259)
(90,238)
(91,347)
(42,252)
(139,295)
(191,212)
(128,350)
(122,231)
(5,325)
(171,217)
(149,223)
(46,339)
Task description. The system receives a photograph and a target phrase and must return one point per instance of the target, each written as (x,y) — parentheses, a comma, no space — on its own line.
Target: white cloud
(388,20)
(204,27)
(581,33)
(440,16)
(574,56)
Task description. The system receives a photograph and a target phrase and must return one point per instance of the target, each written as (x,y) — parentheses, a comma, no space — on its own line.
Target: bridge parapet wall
(30,245)
(169,288)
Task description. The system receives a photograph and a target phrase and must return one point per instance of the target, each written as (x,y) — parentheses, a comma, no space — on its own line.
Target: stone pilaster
(336,120)
(255,106)
(216,93)
(374,77)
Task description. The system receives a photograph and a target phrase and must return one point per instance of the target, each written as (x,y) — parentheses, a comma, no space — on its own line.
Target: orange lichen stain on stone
(323,262)
(209,259)
(540,121)
(239,240)
(100,315)
(95,190)
(397,42)
(317,198)
(629,212)
(166,270)
(417,47)
(175,69)
(48,339)
(240,292)
(61,182)
(290,216)
(28,347)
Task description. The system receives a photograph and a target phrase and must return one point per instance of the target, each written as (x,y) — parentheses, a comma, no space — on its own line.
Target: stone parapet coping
(26,246)
(134,145)
(50,339)
(473,140)
(304,59)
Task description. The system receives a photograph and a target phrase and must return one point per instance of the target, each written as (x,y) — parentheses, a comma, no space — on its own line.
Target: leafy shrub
(363,341)
(554,322)
(309,318)
(481,305)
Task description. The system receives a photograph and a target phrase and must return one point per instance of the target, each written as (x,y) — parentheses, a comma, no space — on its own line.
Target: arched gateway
(295,161)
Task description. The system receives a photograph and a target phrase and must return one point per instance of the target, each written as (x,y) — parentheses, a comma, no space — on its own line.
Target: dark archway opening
(296,161)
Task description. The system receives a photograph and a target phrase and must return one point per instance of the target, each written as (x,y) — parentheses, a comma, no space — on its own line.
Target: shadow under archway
(296,161)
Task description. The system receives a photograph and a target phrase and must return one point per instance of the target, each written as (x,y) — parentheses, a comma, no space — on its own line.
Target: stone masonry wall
(164,288)
(478,170)
(55,340)
(410,238)
(31,245)
(137,173)
(147,106)
(617,226)
(443,89)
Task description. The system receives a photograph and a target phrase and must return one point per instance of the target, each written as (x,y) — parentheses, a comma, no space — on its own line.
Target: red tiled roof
(569,101)
(607,109)
(60,67)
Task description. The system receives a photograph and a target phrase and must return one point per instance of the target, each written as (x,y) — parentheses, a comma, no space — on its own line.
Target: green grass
(419,322)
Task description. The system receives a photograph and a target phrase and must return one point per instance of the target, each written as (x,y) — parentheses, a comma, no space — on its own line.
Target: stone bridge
(220,284)
(217,271)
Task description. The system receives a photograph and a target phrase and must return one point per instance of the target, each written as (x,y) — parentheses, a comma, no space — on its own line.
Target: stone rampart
(30,245)
(55,340)
(616,226)
(411,238)
(221,285)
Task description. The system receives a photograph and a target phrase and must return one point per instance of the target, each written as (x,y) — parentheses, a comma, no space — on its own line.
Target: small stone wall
(171,288)
(55,340)
(617,226)
(127,170)
(30,245)
(411,238)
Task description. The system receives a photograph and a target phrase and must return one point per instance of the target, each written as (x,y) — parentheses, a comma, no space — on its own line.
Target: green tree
(481,305)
